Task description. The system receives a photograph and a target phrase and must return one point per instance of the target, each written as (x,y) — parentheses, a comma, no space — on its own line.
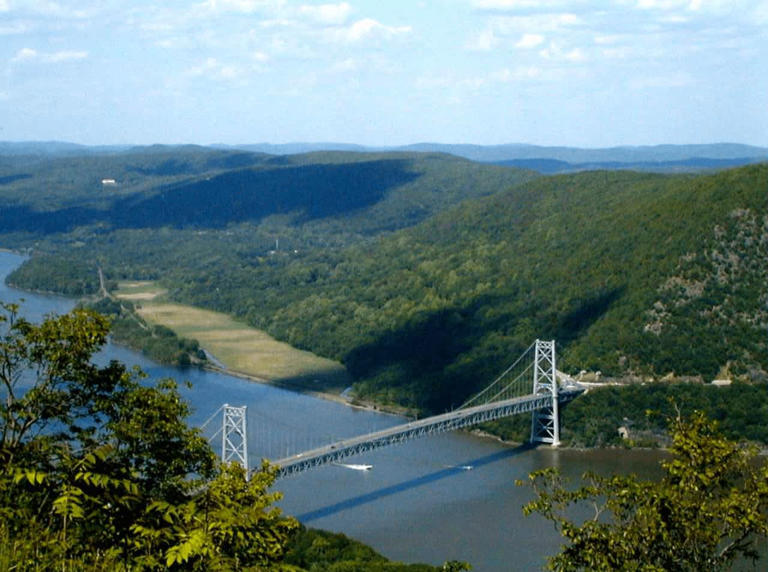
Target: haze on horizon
(584,73)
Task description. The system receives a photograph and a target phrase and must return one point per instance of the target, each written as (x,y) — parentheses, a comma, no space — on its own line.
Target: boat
(355,467)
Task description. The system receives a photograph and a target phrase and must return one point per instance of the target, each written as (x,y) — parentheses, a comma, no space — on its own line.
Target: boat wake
(354,467)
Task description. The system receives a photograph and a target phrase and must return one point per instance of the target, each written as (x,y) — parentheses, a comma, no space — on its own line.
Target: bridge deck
(459,419)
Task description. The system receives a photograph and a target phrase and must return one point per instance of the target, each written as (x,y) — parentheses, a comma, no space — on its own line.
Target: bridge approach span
(459,419)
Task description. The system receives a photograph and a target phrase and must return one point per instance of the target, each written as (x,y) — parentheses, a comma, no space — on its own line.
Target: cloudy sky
(385,72)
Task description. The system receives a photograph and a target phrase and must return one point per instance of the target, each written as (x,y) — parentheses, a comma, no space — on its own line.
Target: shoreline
(297,388)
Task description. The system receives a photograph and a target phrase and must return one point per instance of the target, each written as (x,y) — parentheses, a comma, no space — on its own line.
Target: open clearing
(242,349)
(139,290)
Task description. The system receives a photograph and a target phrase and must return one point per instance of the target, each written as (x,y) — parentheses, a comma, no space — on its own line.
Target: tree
(98,469)
(709,508)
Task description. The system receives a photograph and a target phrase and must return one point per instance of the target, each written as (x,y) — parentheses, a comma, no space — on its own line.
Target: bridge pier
(234,438)
(545,422)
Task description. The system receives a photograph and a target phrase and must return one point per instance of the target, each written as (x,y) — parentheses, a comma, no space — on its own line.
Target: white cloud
(524,31)
(13,29)
(689,5)
(485,41)
(528,41)
(49,8)
(346,66)
(32,55)
(617,53)
(555,52)
(65,56)
(157,26)
(487,81)
(540,23)
(241,6)
(516,74)
(434,82)
(211,68)
(663,4)
(327,13)
(661,81)
(508,5)
(24,54)
(368,28)
(272,23)
(607,39)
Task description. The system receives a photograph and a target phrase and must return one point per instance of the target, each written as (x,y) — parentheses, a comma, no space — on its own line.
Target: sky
(581,73)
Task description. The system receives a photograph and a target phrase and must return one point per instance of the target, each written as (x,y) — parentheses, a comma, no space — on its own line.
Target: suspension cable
(215,413)
(477,397)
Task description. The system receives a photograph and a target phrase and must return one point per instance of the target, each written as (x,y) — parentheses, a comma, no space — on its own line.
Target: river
(418,503)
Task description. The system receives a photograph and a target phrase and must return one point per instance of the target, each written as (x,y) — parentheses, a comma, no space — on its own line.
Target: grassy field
(139,290)
(240,348)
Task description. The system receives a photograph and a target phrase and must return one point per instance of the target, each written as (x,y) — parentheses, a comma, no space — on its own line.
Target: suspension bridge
(531,384)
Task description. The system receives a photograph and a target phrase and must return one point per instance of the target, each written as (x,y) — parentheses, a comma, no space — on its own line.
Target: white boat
(459,467)
(355,467)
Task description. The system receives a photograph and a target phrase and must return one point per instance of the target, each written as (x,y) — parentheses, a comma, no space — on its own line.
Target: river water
(418,503)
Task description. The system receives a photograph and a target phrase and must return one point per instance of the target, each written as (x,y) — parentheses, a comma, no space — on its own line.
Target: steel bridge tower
(234,438)
(545,425)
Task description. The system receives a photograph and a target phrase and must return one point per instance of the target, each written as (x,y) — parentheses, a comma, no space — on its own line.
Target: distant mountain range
(659,158)
(558,159)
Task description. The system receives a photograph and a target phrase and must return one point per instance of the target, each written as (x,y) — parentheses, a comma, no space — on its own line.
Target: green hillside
(193,208)
(425,274)
(633,274)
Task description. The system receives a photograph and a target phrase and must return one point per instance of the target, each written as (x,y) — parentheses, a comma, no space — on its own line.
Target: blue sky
(385,72)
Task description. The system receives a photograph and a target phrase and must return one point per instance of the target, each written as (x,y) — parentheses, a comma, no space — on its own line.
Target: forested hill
(426,274)
(199,188)
(633,275)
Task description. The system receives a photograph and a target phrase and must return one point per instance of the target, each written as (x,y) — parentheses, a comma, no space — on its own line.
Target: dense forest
(425,274)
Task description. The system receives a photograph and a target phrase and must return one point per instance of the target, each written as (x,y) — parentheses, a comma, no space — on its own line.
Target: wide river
(417,504)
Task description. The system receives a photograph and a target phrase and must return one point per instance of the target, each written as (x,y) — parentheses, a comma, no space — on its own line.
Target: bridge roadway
(459,419)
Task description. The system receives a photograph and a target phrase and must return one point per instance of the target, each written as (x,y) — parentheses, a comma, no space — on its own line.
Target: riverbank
(304,390)
(235,345)
(239,350)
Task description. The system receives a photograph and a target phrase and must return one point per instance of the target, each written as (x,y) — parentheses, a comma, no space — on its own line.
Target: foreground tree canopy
(709,509)
(100,471)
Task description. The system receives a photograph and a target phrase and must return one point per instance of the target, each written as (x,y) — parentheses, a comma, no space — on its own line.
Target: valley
(419,272)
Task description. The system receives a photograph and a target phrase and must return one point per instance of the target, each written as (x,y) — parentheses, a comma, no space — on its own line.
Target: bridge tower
(545,425)
(234,438)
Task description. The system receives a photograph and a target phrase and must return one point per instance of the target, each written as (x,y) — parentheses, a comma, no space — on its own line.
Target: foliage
(227,526)
(100,470)
(709,508)
(65,274)
(157,342)
(318,550)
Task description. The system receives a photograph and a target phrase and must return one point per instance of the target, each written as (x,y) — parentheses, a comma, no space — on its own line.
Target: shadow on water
(412,483)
